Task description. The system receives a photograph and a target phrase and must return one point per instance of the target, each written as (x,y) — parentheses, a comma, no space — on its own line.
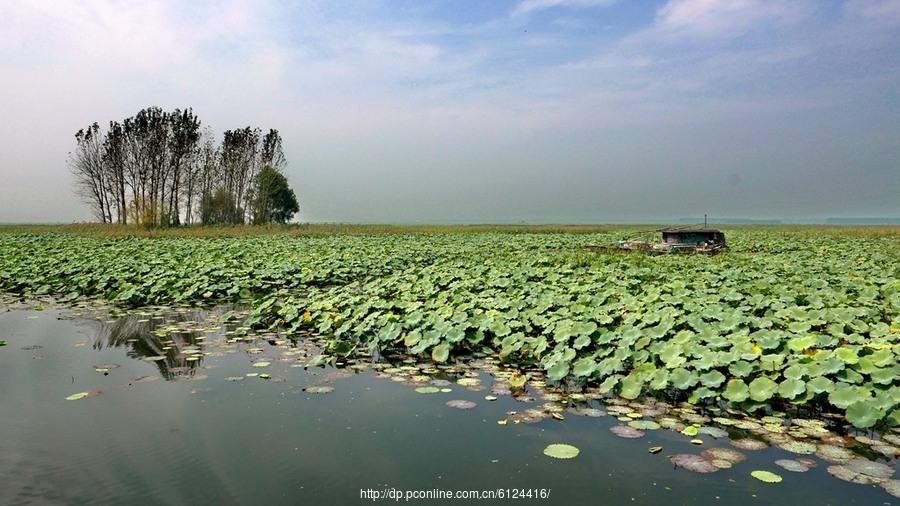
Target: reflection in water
(173,340)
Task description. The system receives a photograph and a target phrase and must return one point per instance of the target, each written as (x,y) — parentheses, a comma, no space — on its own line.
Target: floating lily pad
(461,404)
(468,382)
(591,412)
(428,390)
(643,424)
(834,454)
(749,444)
(870,468)
(766,476)
(693,463)
(690,430)
(792,465)
(3,342)
(262,364)
(886,450)
(655,449)
(319,389)
(713,431)
(891,487)
(155,358)
(722,463)
(561,451)
(626,432)
(83,395)
(798,447)
(728,454)
(842,472)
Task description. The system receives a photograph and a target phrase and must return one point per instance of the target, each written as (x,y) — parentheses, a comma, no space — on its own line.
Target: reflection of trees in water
(142,342)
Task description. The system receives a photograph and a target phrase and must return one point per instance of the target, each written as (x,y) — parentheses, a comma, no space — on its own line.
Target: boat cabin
(693,237)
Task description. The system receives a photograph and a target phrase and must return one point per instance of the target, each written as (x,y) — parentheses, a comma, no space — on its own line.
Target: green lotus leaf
(831,365)
(850,376)
(882,358)
(441,352)
(700,394)
(894,417)
(584,328)
(794,372)
(846,355)
(736,391)
(671,356)
(819,385)
(630,387)
(885,376)
(608,384)
(768,339)
(712,379)
(762,389)
(517,380)
(843,395)
(683,379)
(558,370)
(456,334)
(798,344)
(791,388)
(740,369)
(584,367)
(864,414)
(659,379)
(581,342)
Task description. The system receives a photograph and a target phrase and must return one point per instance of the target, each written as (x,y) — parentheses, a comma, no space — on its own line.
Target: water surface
(175,431)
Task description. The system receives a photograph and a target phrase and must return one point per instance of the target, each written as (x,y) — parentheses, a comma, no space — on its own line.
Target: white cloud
(712,18)
(529,6)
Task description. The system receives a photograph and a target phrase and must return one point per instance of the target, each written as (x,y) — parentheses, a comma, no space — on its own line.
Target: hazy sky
(426,111)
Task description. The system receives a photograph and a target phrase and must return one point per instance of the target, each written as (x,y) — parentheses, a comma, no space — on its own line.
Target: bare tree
(86,164)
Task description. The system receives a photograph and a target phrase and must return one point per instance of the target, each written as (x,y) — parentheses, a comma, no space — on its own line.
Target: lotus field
(803,320)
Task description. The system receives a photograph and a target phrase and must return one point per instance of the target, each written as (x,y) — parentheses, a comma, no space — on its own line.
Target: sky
(412,111)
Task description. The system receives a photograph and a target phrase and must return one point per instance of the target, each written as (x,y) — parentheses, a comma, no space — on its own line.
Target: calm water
(184,435)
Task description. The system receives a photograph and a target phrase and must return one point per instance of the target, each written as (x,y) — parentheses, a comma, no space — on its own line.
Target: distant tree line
(160,168)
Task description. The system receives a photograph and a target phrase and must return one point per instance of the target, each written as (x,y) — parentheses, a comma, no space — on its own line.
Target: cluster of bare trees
(160,168)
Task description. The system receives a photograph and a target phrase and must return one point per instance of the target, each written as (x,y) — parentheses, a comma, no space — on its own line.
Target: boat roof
(689,230)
